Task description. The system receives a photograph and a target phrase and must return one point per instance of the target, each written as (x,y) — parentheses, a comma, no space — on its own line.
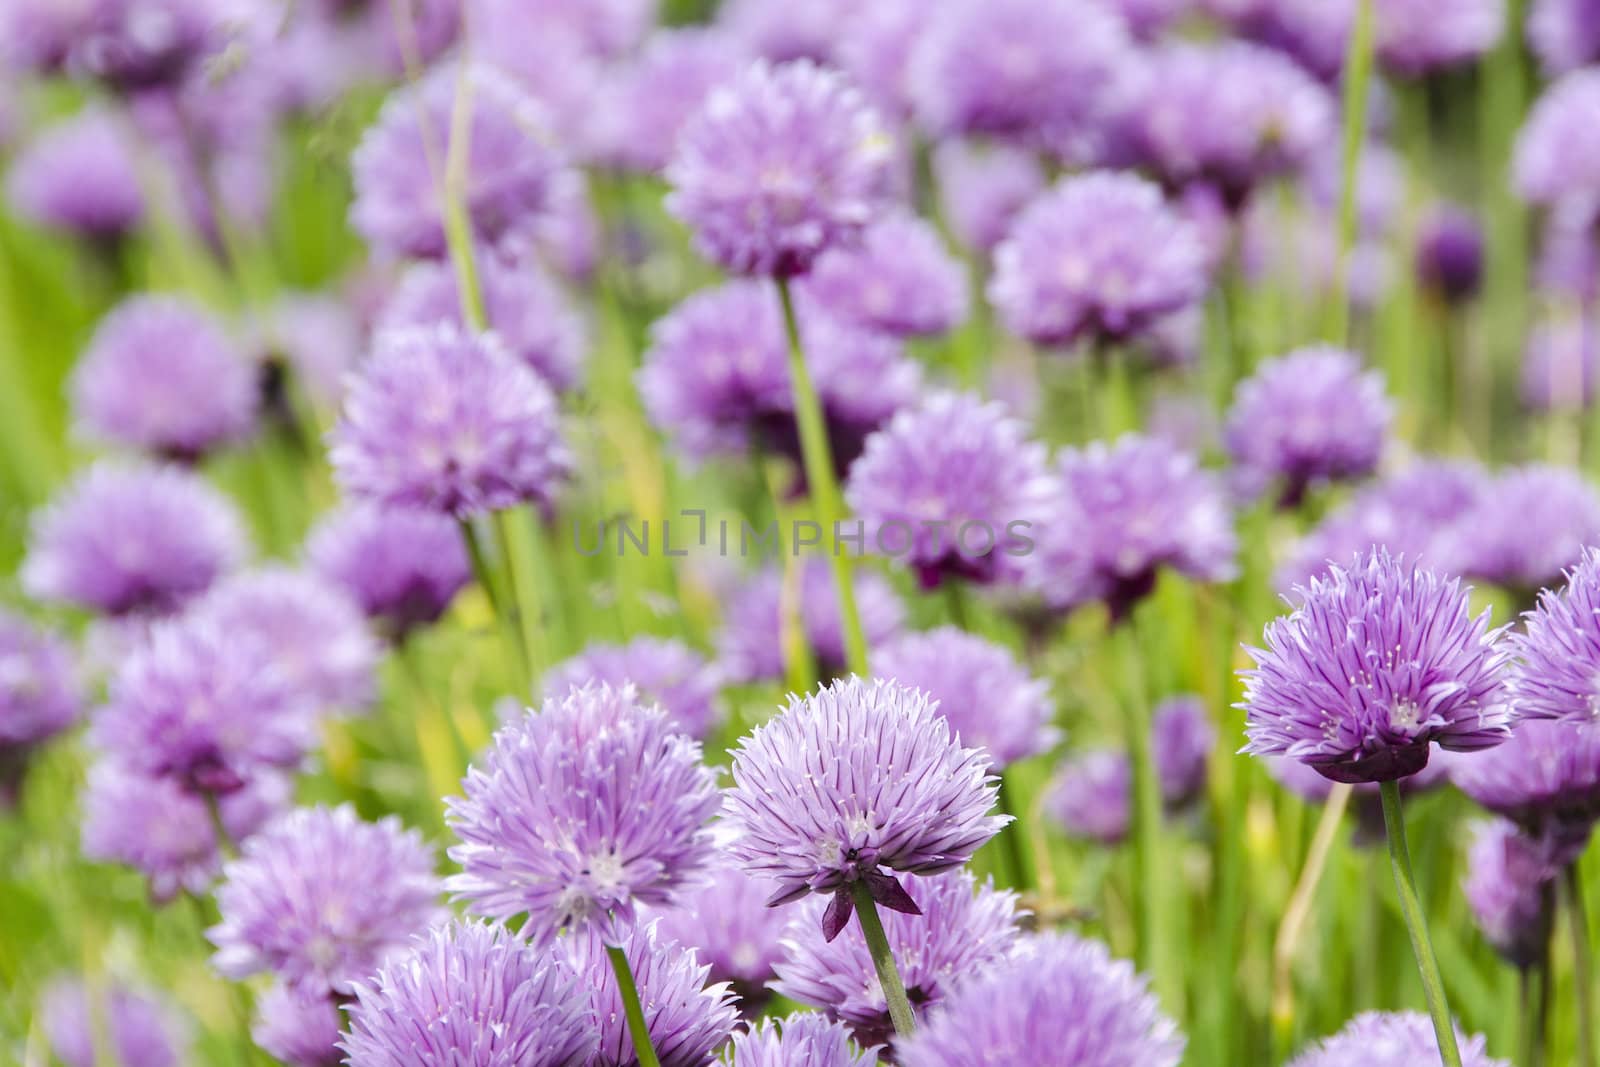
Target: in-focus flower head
(1376,663)
(960,929)
(1315,415)
(162,376)
(527,310)
(1529,524)
(982,188)
(1508,886)
(1090,796)
(79,176)
(687,1019)
(511,164)
(1546,779)
(451,422)
(1555,157)
(851,782)
(805,1038)
(472,995)
(139,1028)
(947,486)
(313,634)
(985,695)
(900,279)
(165,832)
(1132,507)
(301,1029)
(580,812)
(1232,114)
(749,647)
(1391,1039)
(1555,673)
(402,566)
(1011,1013)
(663,671)
(122,539)
(211,713)
(1099,257)
(1024,70)
(40,695)
(777,167)
(320,899)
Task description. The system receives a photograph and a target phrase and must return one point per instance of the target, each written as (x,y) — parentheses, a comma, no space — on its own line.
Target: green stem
(1299,909)
(457,220)
(1358,76)
(894,990)
(1530,1038)
(632,1008)
(480,563)
(225,843)
(817,455)
(1582,964)
(527,615)
(1417,925)
(1155,942)
(1021,870)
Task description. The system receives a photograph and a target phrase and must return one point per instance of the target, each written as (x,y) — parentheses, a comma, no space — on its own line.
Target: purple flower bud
(1450,254)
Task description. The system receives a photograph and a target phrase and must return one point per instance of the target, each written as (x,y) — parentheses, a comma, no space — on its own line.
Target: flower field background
(1177,376)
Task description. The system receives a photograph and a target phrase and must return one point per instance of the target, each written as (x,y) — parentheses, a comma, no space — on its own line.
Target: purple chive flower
(806,29)
(687,1019)
(1134,506)
(194,705)
(124,539)
(1555,159)
(136,45)
(474,996)
(401,566)
(802,1038)
(313,336)
(1099,258)
(1507,885)
(985,695)
(777,167)
(1529,525)
(1181,739)
(398,167)
(982,188)
(900,279)
(606,28)
(1564,34)
(40,696)
(664,671)
(1561,364)
(140,1028)
(80,176)
(1546,779)
(1555,673)
(1391,1039)
(528,311)
(321,899)
(582,810)
(716,375)
(749,647)
(1450,254)
(301,1029)
(161,375)
(311,632)
(164,832)
(922,811)
(1407,512)
(1011,1013)
(1147,19)
(875,45)
(1233,114)
(959,929)
(1417,37)
(727,922)
(1315,415)
(951,487)
(1376,662)
(1016,69)
(451,422)
(1091,796)
(655,94)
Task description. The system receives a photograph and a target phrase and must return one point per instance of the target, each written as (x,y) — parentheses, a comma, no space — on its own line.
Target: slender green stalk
(527,615)
(955,599)
(1011,836)
(1530,1020)
(894,990)
(405,653)
(1582,964)
(457,221)
(817,455)
(632,1008)
(1417,925)
(1357,79)
(1299,908)
(480,563)
(225,842)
